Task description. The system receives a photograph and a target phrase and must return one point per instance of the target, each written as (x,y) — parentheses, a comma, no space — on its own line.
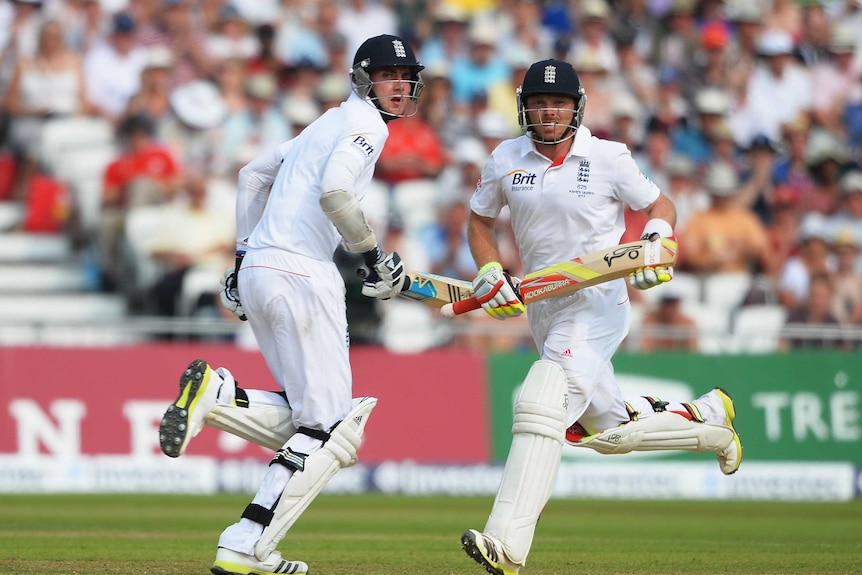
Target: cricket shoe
(488,552)
(184,418)
(229,562)
(719,404)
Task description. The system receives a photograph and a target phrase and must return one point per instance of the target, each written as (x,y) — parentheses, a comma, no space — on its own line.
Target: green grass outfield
(377,534)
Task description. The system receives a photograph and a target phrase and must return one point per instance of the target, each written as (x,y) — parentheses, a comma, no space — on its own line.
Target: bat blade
(568,277)
(435,290)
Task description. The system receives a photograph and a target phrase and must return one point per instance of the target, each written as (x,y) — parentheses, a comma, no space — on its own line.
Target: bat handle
(450,310)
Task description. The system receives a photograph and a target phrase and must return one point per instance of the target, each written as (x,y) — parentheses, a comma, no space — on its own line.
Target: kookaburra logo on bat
(633,252)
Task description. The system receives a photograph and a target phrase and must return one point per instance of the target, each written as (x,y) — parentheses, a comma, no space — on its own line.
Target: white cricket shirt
(292,218)
(563,210)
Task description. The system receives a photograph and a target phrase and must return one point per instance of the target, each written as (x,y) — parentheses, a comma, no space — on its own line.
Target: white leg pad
(534,459)
(270,426)
(664,431)
(339,451)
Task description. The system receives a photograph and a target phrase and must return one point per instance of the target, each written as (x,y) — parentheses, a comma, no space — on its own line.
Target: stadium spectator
(19,38)
(232,38)
(678,41)
(265,60)
(778,90)
(472,75)
(847,277)
(837,79)
(191,131)
(667,327)
(361,19)
(192,239)
(782,228)
(812,257)
(826,158)
(791,167)
(153,96)
(502,95)
(814,312)
(785,16)
(448,41)
(47,87)
(594,41)
(812,46)
(684,190)
(144,173)
(298,33)
(527,35)
(849,213)
(746,21)
(173,26)
(636,75)
(85,22)
(253,123)
(595,79)
(113,68)
(725,237)
(758,166)
(710,68)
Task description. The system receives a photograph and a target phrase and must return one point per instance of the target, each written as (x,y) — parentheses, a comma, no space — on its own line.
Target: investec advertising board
(799,416)
(86,420)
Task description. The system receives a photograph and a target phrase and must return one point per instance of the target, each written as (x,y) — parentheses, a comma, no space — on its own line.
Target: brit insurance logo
(360,142)
(522,180)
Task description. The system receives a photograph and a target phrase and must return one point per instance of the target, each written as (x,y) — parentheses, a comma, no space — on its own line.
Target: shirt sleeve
(488,199)
(632,186)
(254,183)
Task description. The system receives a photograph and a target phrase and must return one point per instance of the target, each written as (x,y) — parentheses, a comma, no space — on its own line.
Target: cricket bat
(431,289)
(566,278)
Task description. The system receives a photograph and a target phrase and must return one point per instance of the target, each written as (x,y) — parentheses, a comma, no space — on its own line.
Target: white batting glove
(387,275)
(230,291)
(496,291)
(651,276)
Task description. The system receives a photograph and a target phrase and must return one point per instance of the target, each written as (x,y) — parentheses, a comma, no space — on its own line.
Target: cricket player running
(294,205)
(566,191)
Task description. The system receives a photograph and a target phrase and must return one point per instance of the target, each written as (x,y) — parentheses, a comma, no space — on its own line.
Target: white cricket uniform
(560,211)
(291,289)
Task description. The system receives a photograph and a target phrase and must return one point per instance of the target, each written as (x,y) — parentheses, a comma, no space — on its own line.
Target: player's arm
(662,219)
(254,183)
(342,208)
(493,287)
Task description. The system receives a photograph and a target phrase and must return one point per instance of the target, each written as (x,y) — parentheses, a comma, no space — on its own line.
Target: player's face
(393,87)
(550,114)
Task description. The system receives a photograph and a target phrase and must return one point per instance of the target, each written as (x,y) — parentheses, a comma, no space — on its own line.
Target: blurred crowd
(124,123)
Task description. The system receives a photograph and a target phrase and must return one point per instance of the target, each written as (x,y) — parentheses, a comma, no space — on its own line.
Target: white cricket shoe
(184,418)
(722,411)
(488,552)
(229,562)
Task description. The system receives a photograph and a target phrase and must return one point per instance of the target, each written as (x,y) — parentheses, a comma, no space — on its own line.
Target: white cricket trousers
(297,311)
(581,333)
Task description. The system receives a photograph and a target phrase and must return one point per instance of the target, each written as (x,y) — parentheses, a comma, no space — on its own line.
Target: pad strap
(291,459)
(258,514)
(317,434)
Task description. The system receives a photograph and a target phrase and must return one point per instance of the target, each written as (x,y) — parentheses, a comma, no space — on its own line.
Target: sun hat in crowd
(199,104)
(720,180)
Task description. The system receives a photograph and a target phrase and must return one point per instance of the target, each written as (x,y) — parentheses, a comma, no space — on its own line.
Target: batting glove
(230,291)
(651,276)
(386,277)
(497,292)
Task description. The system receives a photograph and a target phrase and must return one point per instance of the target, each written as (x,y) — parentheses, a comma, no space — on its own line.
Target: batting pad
(534,458)
(339,451)
(662,431)
(268,426)
(342,209)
